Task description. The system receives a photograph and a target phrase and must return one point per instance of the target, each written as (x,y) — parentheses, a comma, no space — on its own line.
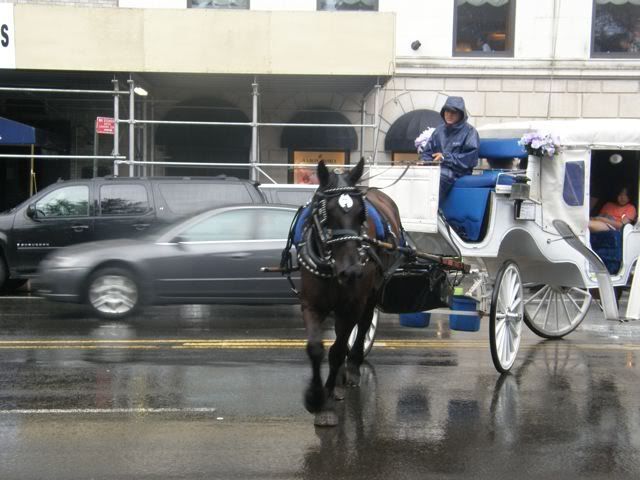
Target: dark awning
(322,138)
(212,137)
(404,131)
(16,133)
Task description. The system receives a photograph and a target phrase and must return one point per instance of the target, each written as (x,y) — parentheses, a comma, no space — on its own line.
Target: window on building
(616,28)
(371,5)
(484,27)
(239,4)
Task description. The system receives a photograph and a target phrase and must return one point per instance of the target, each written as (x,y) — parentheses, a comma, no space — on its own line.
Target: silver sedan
(214,257)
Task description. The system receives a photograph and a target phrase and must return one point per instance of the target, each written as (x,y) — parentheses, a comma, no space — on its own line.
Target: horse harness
(314,239)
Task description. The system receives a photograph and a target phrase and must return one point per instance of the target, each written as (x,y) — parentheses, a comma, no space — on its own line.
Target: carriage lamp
(615,159)
(520,188)
(524,209)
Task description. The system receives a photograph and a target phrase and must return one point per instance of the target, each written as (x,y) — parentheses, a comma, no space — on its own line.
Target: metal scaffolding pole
(116,117)
(153,140)
(132,133)
(363,118)
(376,107)
(254,131)
(145,137)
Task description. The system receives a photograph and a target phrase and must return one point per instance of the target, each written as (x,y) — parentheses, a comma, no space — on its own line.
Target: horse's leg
(328,417)
(314,397)
(355,356)
(337,355)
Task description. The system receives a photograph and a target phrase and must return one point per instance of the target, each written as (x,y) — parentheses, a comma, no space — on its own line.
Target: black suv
(76,211)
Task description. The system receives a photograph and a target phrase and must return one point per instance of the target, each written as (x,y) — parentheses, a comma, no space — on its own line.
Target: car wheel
(369,338)
(4,274)
(14,284)
(113,293)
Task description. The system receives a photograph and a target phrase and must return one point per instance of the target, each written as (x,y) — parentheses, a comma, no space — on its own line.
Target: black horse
(342,271)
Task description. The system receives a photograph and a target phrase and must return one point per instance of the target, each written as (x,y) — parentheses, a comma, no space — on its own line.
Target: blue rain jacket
(458,143)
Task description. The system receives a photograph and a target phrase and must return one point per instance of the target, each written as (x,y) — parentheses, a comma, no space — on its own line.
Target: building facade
(260,65)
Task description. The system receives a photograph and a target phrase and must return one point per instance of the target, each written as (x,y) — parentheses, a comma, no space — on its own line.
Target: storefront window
(348,5)
(239,4)
(616,28)
(484,27)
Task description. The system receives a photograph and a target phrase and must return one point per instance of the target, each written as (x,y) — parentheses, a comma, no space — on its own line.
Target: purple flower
(539,144)
(423,138)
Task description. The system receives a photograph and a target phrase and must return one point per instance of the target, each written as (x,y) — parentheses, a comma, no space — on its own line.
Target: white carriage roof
(604,133)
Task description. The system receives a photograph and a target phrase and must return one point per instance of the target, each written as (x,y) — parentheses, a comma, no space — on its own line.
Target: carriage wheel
(553,312)
(505,318)
(369,337)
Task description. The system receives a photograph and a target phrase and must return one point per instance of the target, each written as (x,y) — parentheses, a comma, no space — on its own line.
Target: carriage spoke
(514,289)
(546,289)
(500,326)
(559,311)
(506,346)
(541,291)
(546,313)
(566,311)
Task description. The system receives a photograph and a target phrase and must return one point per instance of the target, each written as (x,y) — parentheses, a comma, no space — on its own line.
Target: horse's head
(342,213)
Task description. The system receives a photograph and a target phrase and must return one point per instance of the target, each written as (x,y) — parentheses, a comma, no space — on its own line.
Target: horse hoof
(314,399)
(338,393)
(353,376)
(326,418)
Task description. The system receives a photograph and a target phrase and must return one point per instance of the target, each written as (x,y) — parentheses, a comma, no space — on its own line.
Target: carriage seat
(608,246)
(465,207)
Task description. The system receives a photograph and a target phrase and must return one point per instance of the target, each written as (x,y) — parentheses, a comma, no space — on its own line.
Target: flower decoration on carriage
(540,144)
(422,139)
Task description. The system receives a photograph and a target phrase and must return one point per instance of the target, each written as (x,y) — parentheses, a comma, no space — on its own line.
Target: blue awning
(16,133)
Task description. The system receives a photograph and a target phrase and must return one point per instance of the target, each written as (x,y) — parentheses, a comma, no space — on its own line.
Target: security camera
(415,45)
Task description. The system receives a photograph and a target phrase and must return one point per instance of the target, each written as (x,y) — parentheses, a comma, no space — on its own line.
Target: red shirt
(616,211)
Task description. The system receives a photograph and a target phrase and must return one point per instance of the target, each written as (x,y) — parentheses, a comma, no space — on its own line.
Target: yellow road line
(275,343)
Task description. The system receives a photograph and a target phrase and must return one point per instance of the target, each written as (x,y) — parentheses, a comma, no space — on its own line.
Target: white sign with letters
(7,37)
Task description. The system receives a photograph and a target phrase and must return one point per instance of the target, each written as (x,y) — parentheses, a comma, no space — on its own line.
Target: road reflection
(564,404)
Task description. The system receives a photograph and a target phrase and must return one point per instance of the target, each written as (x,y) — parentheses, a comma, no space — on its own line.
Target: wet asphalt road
(216,392)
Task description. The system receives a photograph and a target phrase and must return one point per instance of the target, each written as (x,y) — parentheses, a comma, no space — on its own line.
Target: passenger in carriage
(614,215)
(454,144)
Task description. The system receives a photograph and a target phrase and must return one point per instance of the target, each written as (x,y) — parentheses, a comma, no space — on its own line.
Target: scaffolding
(139,167)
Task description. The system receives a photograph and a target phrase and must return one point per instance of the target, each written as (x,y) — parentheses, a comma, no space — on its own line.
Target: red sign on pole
(105,125)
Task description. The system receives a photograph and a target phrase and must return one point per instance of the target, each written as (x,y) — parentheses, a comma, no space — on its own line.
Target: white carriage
(529,243)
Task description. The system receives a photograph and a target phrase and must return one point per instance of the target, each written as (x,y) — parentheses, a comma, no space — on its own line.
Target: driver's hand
(437,157)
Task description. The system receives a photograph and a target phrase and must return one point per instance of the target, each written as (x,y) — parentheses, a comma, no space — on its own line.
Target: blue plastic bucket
(465,323)
(417,319)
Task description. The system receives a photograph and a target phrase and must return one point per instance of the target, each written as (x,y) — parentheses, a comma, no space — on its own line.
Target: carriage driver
(454,144)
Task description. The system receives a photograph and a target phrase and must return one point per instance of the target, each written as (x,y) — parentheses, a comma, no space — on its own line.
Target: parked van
(77,211)
(290,194)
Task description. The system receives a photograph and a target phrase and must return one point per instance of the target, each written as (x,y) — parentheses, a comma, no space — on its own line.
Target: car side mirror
(31,211)
(179,241)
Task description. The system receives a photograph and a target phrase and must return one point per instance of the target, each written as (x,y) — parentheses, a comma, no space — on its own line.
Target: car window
(123,200)
(293,197)
(72,201)
(230,225)
(274,224)
(185,198)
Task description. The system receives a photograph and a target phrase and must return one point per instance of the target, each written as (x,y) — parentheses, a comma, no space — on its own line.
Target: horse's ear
(323,173)
(356,172)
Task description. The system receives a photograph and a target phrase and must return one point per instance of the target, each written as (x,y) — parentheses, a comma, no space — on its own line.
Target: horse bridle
(315,250)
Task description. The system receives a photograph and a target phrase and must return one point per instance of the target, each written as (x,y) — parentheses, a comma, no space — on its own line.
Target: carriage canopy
(562,182)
